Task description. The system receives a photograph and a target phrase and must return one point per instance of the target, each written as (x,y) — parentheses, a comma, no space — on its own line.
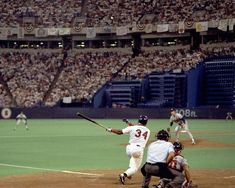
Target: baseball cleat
(193,142)
(122,178)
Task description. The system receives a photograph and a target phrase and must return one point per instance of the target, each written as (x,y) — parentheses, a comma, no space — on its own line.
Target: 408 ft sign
(187,113)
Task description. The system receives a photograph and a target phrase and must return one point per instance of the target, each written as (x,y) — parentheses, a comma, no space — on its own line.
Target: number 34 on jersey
(139,134)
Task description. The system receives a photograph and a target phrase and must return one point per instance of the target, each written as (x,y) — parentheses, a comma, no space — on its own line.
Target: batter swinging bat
(89,119)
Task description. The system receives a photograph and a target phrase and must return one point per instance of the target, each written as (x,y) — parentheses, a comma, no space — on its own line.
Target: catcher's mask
(178,146)
(162,135)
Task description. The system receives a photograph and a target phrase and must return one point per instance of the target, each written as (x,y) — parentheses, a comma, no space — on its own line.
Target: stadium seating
(127,93)
(4,98)
(108,12)
(167,89)
(86,73)
(47,13)
(26,75)
(37,77)
(219,83)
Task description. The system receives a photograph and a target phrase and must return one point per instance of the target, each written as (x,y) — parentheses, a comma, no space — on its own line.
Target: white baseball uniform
(21,118)
(182,124)
(139,136)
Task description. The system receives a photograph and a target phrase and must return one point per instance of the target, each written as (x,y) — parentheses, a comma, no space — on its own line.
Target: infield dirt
(109,178)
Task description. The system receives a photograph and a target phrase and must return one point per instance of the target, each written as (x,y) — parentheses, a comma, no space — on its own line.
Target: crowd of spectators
(61,13)
(122,12)
(168,60)
(29,74)
(219,51)
(116,12)
(198,10)
(58,13)
(4,98)
(83,76)
(161,61)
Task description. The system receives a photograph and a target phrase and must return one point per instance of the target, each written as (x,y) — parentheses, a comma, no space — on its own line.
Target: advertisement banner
(3,33)
(201,26)
(162,28)
(181,27)
(123,30)
(90,32)
(223,25)
(52,31)
(149,28)
(64,31)
(41,32)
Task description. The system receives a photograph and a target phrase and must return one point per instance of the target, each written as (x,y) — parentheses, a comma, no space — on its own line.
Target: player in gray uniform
(229,116)
(159,154)
(180,169)
(182,124)
(21,118)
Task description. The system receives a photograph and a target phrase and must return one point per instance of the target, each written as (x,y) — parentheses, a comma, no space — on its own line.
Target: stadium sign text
(187,113)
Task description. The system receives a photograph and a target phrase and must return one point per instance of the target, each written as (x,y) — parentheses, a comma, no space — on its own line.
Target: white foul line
(229,177)
(51,170)
(35,136)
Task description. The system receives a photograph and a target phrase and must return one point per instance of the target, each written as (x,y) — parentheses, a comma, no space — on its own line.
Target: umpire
(159,154)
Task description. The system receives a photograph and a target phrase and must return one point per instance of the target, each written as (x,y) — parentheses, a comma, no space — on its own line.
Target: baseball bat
(89,119)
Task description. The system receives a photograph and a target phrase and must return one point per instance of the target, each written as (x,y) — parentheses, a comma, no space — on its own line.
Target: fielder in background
(139,135)
(182,125)
(229,116)
(180,169)
(159,154)
(21,118)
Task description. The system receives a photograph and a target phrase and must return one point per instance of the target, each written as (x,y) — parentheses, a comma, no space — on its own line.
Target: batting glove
(109,130)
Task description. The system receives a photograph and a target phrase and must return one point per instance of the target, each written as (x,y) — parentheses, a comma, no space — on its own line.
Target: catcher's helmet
(178,146)
(162,135)
(143,119)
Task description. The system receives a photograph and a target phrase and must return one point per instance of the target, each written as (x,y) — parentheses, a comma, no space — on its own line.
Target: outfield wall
(100,113)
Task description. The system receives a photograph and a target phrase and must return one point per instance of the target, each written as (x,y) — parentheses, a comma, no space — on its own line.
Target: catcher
(180,169)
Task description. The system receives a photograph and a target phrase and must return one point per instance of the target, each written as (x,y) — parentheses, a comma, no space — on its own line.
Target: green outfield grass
(80,145)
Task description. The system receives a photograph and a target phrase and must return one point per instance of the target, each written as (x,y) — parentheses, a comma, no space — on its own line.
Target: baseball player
(177,166)
(139,135)
(181,124)
(21,118)
(229,116)
(159,154)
